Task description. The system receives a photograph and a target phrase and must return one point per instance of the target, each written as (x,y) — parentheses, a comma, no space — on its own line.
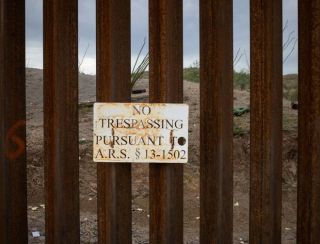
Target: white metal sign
(140,132)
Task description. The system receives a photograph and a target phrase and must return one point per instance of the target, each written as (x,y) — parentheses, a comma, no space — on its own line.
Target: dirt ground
(88,183)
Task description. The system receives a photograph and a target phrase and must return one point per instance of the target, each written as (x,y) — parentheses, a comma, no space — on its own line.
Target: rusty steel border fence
(166,85)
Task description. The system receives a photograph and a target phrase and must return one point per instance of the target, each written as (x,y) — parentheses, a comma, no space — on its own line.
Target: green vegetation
(290,87)
(192,73)
(240,111)
(241,80)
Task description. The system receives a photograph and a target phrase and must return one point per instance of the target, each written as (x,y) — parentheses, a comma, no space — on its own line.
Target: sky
(139,31)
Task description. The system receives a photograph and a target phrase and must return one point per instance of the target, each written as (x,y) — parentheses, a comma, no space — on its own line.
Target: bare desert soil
(88,185)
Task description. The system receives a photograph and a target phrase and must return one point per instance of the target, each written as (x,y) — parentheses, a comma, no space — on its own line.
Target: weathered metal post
(266,121)
(166,85)
(61,141)
(216,101)
(13,170)
(113,85)
(308,221)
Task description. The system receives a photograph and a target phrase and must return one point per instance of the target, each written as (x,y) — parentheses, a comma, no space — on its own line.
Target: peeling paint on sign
(140,132)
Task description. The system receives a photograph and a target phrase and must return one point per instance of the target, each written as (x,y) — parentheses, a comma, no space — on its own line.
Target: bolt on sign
(140,132)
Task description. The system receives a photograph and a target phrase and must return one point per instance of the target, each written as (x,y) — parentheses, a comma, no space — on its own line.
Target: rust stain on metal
(171,139)
(112,141)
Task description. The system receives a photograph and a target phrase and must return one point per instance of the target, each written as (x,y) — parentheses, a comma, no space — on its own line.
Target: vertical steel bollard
(13,170)
(216,102)
(308,221)
(166,85)
(113,85)
(266,121)
(61,139)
